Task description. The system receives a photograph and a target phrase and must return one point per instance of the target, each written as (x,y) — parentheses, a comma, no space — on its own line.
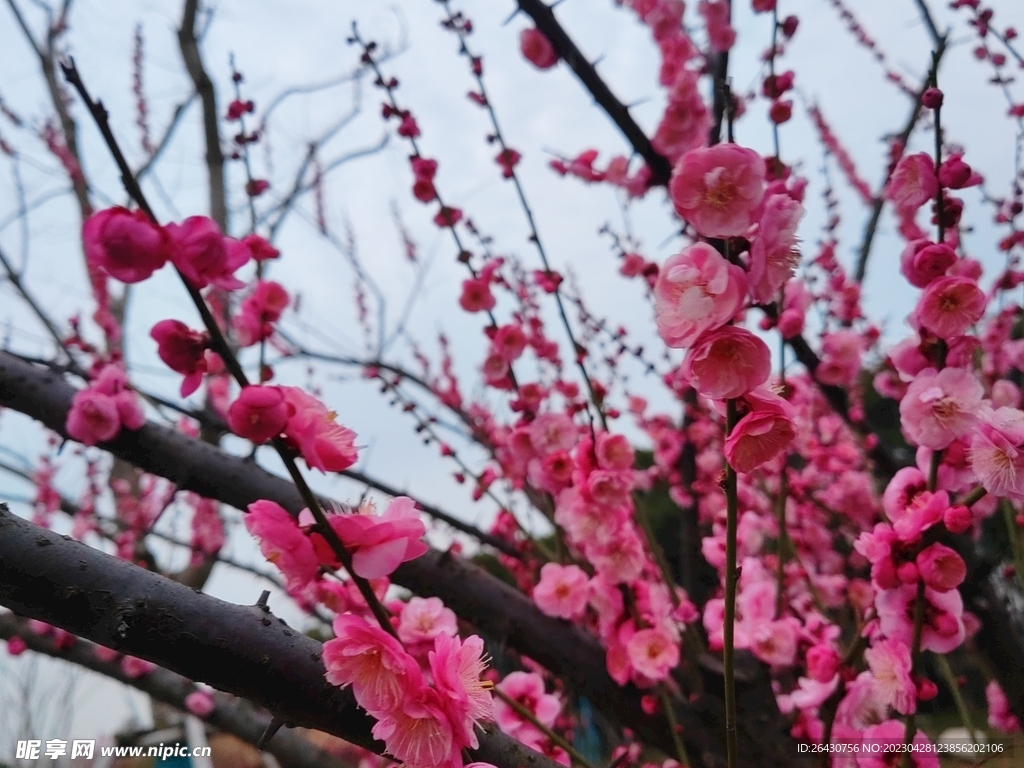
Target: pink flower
(727,363)
(941,568)
(718,189)
(380,544)
(456,668)
(476,296)
(620,559)
(697,290)
(16,646)
(93,418)
(775,642)
(561,591)
(720,32)
(373,662)
(423,619)
(943,628)
(912,183)
(889,661)
(204,256)
(99,411)
(124,244)
(941,406)
(260,248)
(551,432)
(924,510)
(762,434)
(686,121)
(323,443)
(537,49)
(417,731)
(653,653)
(183,351)
(997,454)
(200,703)
(1000,716)
(774,255)
(923,261)
(258,313)
(259,414)
(509,342)
(840,358)
(614,451)
(526,688)
(822,663)
(950,305)
(282,542)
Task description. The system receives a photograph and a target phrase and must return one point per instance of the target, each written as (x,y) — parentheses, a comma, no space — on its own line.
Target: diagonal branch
(230,715)
(546,22)
(242,650)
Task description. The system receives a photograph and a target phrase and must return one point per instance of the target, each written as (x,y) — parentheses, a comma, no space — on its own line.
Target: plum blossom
(259,414)
(423,619)
(282,542)
(323,443)
(183,351)
(372,662)
(773,254)
(537,49)
(997,453)
(697,290)
(124,244)
(204,256)
(379,544)
(943,628)
(941,406)
(950,305)
(728,362)
(912,183)
(102,409)
(889,661)
(653,652)
(718,189)
(762,434)
(562,591)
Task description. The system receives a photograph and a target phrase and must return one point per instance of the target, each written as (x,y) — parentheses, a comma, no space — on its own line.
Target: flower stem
(728,650)
(557,740)
(677,737)
(958,699)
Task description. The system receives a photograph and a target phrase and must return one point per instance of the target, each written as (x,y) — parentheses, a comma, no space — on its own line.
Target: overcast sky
(278,45)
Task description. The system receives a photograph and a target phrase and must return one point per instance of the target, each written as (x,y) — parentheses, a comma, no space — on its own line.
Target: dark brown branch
(544,18)
(189,45)
(871,228)
(496,608)
(231,715)
(242,650)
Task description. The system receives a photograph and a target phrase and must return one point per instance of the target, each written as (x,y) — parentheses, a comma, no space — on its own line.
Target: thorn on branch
(262,602)
(268,734)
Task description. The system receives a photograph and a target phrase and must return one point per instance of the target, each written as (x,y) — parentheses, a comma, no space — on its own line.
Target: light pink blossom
(941,406)
(697,290)
(561,591)
(718,189)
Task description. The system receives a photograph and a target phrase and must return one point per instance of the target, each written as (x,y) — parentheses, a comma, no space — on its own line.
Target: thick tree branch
(242,650)
(545,20)
(231,715)
(493,606)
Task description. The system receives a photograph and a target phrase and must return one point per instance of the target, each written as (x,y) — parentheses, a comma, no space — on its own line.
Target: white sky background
(282,44)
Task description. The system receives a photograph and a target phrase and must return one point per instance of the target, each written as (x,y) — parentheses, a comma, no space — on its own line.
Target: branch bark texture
(242,650)
(231,715)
